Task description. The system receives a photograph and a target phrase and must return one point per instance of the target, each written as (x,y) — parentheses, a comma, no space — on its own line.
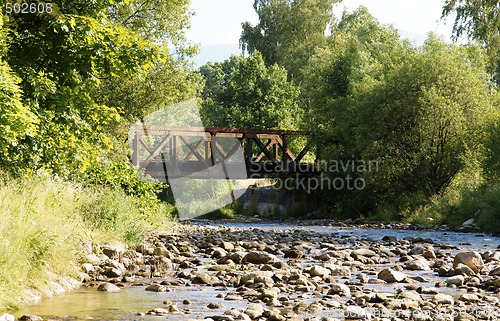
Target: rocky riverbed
(294,274)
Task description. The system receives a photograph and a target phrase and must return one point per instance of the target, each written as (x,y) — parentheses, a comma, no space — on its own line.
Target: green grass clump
(40,230)
(123,217)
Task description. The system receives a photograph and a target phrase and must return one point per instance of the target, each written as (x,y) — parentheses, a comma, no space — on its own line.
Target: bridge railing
(190,150)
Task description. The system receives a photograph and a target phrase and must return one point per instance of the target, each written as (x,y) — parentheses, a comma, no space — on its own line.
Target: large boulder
(471,259)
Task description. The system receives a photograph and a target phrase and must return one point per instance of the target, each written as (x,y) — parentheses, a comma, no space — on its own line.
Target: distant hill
(215,53)
(418,38)
(221,52)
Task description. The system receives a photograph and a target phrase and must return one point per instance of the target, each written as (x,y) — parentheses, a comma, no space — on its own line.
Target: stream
(133,301)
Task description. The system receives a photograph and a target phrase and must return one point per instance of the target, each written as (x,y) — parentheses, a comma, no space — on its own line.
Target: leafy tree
(155,20)
(418,112)
(16,120)
(288,33)
(243,92)
(135,96)
(492,160)
(169,80)
(60,59)
(480,21)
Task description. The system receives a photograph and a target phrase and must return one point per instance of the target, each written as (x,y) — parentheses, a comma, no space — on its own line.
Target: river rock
(114,251)
(472,259)
(87,268)
(30,317)
(340,270)
(145,249)
(462,269)
(419,264)
(390,238)
(258,257)
(215,305)
(443,299)
(228,246)
(469,298)
(391,276)
(411,295)
(495,272)
(469,223)
(254,311)
(202,278)
(157,288)
(108,287)
(363,252)
(457,280)
(112,272)
(161,251)
(294,254)
(220,318)
(7,317)
(429,255)
(273,315)
(356,313)
(218,252)
(417,250)
(340,289)
(319,271)
(92,259)
(158,311)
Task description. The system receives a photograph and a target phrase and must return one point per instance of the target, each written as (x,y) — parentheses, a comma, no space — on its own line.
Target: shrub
(222,213)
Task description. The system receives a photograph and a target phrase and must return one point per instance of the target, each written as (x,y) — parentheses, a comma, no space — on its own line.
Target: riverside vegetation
(45,222)
(70,80)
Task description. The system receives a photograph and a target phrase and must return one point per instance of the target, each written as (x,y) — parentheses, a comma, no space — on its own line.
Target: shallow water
(477,241)
(88,303)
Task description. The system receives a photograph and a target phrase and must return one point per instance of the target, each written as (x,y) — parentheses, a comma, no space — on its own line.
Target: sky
(218,22)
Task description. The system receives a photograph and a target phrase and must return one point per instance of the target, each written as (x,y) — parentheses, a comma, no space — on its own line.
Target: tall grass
(121,217)
(43,223)
(40,229)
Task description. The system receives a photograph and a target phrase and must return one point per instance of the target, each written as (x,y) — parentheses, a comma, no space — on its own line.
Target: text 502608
(28,7)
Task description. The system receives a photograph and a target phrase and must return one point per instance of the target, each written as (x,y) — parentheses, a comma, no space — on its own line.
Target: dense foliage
(421,113)
(73,74)
(428,115)
(244,93)
(479,21)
